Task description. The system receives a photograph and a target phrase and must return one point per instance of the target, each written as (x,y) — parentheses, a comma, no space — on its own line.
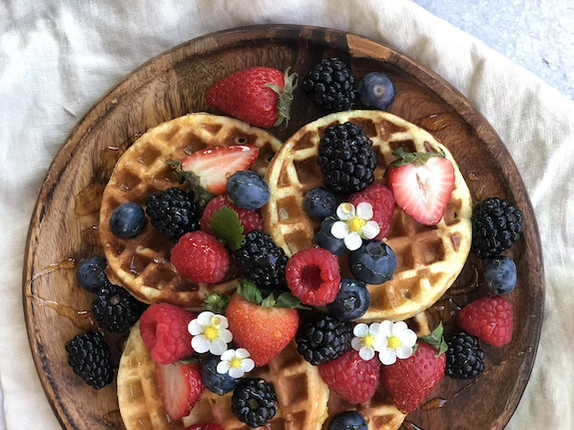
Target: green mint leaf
(436,340)
(216,303)
(225,226)
(249,291)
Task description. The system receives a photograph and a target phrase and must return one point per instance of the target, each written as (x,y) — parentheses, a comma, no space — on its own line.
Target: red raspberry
(250,219)
(200,258)
(209,426)
(313,276)
(351,377)
(164,331)
(383,203)
(488,318)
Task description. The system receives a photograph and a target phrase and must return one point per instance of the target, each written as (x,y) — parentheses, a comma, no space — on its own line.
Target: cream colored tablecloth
(57,58)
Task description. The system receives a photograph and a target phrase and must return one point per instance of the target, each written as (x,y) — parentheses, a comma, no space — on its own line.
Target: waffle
(429,258)
(142,264)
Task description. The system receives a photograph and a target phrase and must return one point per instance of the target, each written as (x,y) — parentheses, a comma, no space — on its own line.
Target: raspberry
(201,258)
(164,331)
(489,319)
(250,219)
(383,203)
(351,377)
(313,276)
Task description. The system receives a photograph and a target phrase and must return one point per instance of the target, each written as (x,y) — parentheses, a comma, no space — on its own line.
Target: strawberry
(422,183)
(211,167)
(411,380)
(180,387)
(488,318)
(260,96)
(259,325)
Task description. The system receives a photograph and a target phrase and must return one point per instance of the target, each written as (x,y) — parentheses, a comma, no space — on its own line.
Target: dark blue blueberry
(352,301)
(327,241)
(374,262)
(320,204)
(128,220)
(218,383)
(248,190)
(500,275)
(377,91)
(349,421)
(91,275)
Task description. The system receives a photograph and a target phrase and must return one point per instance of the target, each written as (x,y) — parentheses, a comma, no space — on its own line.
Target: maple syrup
(82,319)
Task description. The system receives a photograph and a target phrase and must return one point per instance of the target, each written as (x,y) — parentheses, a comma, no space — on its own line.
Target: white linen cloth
(57,58)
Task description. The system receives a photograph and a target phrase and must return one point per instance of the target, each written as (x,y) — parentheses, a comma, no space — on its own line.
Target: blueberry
(352,301)
(248,190)
(500,275)
(349,421)
(128,220)
(377,91)
(91,275)
(218,383)
(320,204)
(374,262)
(327,241)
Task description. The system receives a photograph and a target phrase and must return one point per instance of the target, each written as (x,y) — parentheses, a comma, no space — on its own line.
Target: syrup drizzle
(407,425)
(114,418)
(83,319)
(68,263)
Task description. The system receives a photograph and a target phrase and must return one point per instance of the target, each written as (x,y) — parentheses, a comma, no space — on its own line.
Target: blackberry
(330,85)
(464,358)
(496,225)
(89,357)
(115,309)
(254,402)
(323,340)
(346,158)
(173,212)
(262,261)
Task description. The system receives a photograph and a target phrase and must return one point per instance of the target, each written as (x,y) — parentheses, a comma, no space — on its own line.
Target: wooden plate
(63,227)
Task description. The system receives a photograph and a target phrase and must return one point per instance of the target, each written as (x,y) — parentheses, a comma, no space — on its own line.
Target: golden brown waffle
(429,258)
(142,264)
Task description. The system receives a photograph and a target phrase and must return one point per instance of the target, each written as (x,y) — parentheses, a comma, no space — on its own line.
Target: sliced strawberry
(422,184)
(212,166)
(180,387)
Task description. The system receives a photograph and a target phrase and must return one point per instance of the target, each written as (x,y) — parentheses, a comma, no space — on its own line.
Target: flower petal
(200,344)
(408,337)
(361,330)
(218,347)
(247,365)
(345,211)
(404,352)
(222,321)
(375,329)
(242,353)
(339,229)
(365,211)
(387,357)
(228,355)
(357,343)
(386,328)
(194,327)
(370,230)
(353,241)
(366,353)
(398,327)
(236,372)
(223,367)
(205,318)
(225,335)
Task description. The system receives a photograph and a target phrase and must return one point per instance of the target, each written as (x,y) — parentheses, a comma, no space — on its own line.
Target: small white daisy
(397,341)
(367,340)
(236,362)
(354,224)
(209,333)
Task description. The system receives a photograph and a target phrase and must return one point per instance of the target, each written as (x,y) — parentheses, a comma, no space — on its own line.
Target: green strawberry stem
(249,291)
(285,97)
(201,195)
(216,303)
(419,158)
(436,340)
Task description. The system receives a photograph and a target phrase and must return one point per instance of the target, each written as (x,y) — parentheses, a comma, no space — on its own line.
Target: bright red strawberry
(410,381)
(209,426)
(383,203)
(488,318)
(180,387)
(164,332)
(250,219)
(351,377)
(260,96)
(262,329)
(421,184)
(200,258)
(212,166)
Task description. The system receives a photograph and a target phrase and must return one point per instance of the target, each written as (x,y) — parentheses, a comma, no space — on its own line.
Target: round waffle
(142,264)
(429,258)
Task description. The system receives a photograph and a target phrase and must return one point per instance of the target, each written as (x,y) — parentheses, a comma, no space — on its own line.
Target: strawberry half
(421,183)
(260,96)
(180,387)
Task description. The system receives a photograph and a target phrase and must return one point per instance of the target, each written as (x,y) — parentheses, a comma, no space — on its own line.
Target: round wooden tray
(64,224)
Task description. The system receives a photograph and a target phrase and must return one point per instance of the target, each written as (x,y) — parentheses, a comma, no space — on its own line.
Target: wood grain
(63,225)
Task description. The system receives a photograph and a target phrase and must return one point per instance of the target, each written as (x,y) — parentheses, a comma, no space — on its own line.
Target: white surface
(58,58)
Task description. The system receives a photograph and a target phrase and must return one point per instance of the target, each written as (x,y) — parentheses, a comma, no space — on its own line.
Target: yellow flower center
(235,363)
(356,224)
(368,340)
(393,342)
(211,333)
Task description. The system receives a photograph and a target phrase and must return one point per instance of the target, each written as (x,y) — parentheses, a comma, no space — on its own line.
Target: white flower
(367,340)
(354,224)
(209,333)
(397,341)
(236,362)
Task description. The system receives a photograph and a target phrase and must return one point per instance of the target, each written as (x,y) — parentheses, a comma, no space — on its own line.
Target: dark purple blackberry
(89,357)
(323,340)
(254,402)
(261,261)
(496,225)
(464,358)
(115,309)
(330,85)
(173,212)
(346,158)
